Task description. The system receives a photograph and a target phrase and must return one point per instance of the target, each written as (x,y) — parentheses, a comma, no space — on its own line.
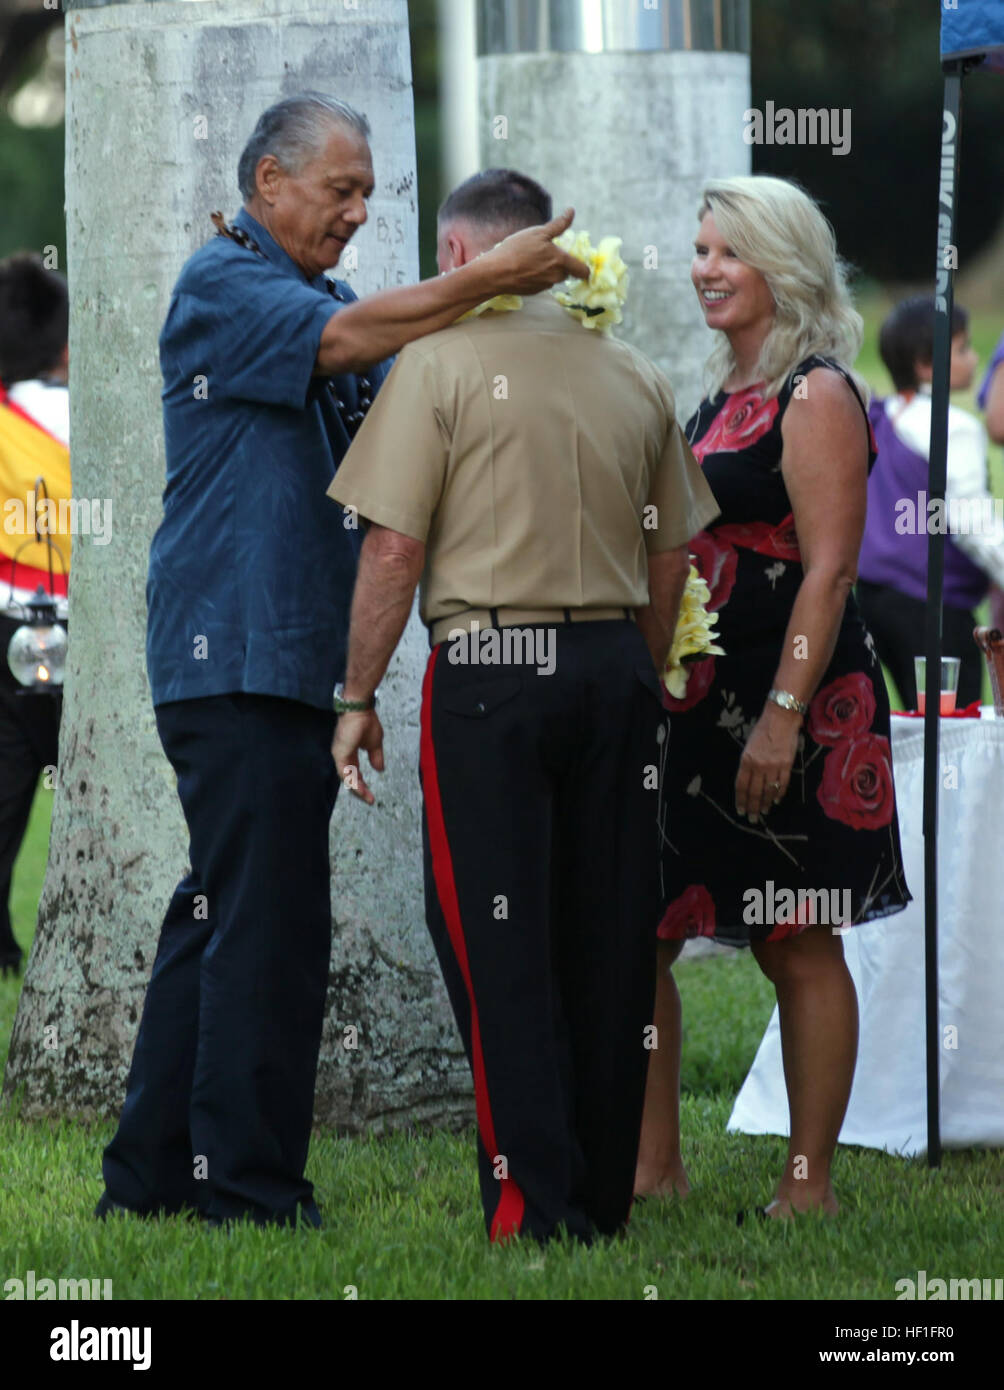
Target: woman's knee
(799,957)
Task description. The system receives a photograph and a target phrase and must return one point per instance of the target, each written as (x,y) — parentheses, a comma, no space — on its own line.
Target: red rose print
(691,914)
(782,929)
(781,540)
(843,709)
(716,564)
(743,418)
(699,682)
(804,916)
(857,785)
(709,443)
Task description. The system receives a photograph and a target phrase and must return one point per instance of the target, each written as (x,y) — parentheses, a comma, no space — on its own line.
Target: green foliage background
(880,60)
(31,177)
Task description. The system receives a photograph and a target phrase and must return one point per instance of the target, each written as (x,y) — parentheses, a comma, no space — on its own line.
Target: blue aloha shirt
(252,568)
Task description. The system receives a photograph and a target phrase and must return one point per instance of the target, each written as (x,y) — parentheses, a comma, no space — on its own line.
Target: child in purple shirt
(892,587)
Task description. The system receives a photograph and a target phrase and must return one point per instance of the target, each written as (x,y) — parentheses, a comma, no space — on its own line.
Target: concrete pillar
(161,98)
(458,92)
(623,108)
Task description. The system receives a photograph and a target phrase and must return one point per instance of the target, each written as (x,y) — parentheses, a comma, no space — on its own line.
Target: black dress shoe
(106,1206)
(758,1213)
(307,1216)
(10,960)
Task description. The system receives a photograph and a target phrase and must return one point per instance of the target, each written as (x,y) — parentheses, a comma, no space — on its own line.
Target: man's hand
(380,325)
(528,261)
(358,729)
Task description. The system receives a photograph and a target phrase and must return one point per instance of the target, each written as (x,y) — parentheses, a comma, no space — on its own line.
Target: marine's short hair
(34,318)
(502,199)
(906,338)
(293,130)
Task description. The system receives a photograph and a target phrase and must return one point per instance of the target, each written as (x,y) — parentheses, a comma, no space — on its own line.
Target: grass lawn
(403,1217)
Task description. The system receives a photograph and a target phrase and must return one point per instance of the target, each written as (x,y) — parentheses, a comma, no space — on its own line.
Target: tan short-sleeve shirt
(539,462)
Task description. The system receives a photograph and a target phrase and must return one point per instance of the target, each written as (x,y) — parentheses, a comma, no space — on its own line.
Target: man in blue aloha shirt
(268,368)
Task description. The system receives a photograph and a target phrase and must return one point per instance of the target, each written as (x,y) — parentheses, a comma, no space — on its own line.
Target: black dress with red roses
(829,853)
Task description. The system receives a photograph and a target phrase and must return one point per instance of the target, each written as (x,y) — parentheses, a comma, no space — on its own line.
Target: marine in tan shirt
(539,463)
(533,475)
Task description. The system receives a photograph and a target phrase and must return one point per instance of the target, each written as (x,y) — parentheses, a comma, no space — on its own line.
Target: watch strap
(786,700)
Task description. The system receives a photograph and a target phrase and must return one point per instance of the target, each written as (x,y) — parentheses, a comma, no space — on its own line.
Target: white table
(888,1105)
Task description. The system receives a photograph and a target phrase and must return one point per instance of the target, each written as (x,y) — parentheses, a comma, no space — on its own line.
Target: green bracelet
(343,706)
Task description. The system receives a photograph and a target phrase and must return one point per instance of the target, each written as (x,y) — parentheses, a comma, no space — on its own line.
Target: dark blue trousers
(542,836)
(219,1105)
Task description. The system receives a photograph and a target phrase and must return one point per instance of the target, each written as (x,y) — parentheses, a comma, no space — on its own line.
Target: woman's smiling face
(733,295)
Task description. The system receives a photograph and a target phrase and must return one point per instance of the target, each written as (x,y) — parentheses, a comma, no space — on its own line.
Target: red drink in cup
(949,684)
(947,702)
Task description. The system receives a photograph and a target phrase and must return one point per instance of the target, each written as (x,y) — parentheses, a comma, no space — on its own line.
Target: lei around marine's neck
(595,302)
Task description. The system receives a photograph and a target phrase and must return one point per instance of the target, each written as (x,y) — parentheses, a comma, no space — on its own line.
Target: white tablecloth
(888,1105)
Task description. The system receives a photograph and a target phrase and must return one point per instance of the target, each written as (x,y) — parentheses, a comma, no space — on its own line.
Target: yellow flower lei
(501,304)
(693,638)
(595,302)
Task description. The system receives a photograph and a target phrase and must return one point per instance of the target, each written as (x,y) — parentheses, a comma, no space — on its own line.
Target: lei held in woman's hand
(693,639)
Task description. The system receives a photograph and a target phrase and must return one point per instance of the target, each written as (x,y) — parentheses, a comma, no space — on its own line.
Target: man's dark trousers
(219,1105)
(541,833)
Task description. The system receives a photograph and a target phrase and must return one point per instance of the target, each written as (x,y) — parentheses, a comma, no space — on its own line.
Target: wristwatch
(343,706)
(786,700)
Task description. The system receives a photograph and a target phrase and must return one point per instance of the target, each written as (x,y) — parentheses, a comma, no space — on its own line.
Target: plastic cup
(949,683)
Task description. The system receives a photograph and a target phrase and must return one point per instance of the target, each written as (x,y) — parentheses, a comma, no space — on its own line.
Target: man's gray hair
(292,130)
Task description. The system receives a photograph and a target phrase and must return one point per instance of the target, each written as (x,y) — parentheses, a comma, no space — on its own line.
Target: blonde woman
(780,812)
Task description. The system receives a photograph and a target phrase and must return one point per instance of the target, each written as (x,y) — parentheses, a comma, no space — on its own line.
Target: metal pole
(937,475)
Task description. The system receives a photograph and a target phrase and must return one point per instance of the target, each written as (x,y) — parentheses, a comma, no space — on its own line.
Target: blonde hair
(775,227)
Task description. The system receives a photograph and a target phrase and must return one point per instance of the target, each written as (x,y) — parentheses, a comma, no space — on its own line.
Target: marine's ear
(455,247)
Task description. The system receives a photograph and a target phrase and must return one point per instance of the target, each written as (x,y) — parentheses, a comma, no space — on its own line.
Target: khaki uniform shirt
(540,463)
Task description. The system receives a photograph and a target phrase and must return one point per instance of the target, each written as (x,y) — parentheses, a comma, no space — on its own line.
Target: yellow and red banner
(29,452)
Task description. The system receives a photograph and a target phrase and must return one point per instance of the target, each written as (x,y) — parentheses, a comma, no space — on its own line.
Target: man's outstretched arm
(390,566)
(380,325)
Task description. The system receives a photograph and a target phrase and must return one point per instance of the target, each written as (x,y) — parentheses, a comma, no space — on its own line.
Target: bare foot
(662,1182)
(785,1208)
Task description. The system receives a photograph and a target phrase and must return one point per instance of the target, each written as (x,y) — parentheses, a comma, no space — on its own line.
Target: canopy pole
(937,476)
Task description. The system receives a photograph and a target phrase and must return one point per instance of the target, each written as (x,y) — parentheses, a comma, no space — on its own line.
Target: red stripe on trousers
(508,1216)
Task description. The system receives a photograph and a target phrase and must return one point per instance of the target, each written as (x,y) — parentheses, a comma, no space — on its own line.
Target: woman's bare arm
(825,468)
